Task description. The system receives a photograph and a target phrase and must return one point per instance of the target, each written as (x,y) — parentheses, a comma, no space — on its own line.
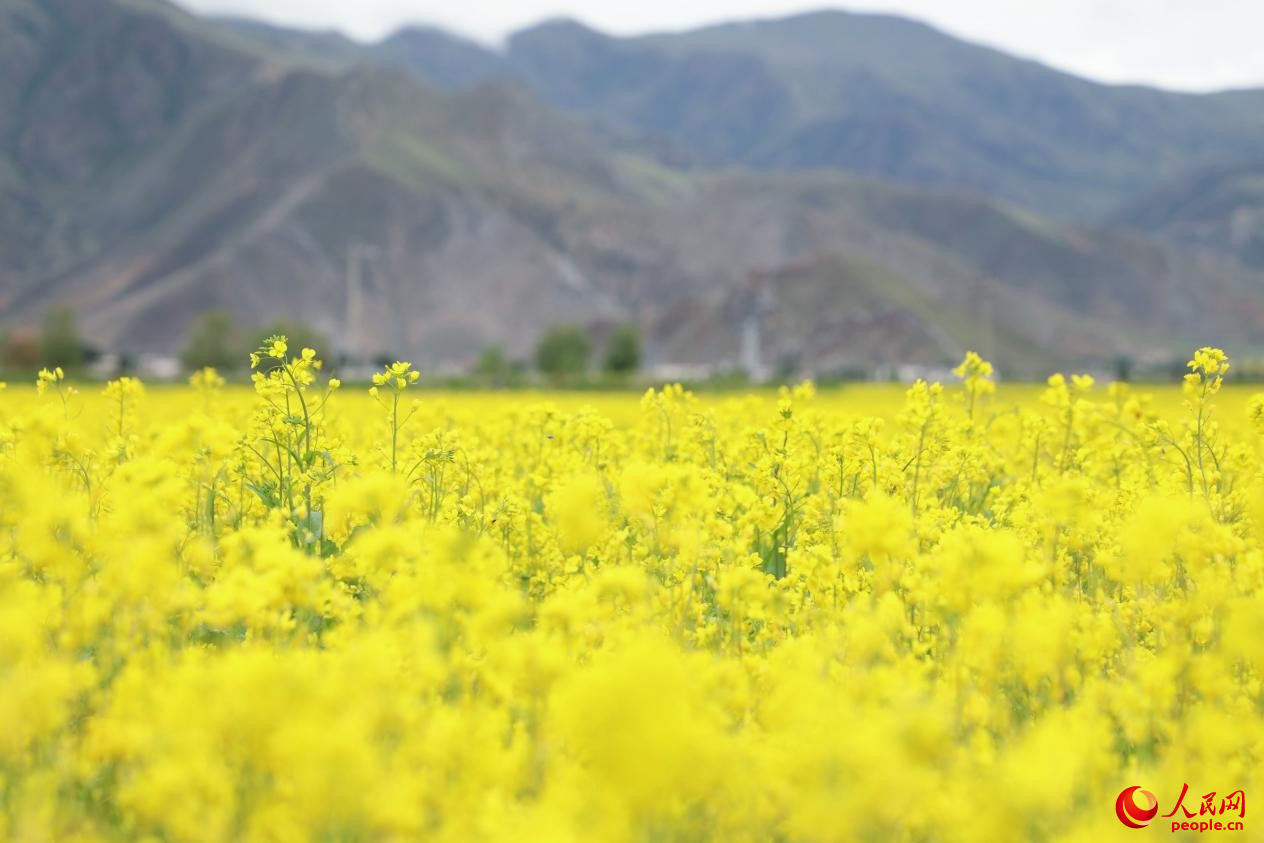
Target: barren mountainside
(154,165)
(866,93)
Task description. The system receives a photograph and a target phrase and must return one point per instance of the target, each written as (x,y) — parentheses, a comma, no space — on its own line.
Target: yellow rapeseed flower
(810,615)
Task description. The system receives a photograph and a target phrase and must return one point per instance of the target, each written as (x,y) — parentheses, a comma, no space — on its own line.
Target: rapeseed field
(311,612)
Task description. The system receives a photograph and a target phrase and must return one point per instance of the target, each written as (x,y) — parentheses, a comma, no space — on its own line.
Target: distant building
(757,302)
(157,367)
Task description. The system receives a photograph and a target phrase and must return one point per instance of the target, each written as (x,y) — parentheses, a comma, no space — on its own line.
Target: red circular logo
(1136,807)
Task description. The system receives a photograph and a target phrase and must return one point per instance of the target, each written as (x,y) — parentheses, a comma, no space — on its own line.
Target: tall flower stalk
(392,381)
(288,439)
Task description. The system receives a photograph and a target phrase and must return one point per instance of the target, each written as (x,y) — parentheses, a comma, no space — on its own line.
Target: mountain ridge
(863,92)
(435,220)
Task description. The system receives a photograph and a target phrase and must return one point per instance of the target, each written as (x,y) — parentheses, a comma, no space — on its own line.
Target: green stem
(394,429)
(1066,442)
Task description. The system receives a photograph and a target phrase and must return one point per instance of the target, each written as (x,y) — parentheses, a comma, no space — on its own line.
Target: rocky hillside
(1219,211)
(864,93)
(154,165)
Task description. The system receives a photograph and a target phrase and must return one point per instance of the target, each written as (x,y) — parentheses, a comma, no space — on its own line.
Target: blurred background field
(167,403)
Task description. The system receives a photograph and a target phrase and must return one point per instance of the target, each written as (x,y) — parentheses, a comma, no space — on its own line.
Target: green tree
(60,343)
(1123,368)
(563,352)
(623,351)
(212,342)
(492,366)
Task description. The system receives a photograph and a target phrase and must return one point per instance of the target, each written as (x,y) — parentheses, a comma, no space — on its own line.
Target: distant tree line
(565,354)
(213,340)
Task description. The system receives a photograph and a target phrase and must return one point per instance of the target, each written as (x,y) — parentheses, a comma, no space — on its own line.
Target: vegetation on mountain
(1218,211)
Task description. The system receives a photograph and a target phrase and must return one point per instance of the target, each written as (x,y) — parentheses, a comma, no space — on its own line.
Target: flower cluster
(962,613)
(397,377)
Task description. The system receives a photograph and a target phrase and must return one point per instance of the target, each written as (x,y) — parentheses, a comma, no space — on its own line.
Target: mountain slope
(891,97)
(958,270)
(434,56)
(193,170)
(439,58)
(1219,211)
(864,93)
(86,90)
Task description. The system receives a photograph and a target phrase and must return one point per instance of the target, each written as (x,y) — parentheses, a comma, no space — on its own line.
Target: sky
(1195,45)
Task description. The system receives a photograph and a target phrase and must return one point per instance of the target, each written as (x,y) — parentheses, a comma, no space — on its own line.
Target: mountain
(883,272)
(439,58)
(865,93)
(153,172)
(1219,211)
(86,91)
(315,48)
(433,55)
(154,165)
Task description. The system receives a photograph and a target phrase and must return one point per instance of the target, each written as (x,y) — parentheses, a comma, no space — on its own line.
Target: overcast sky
(1186,44)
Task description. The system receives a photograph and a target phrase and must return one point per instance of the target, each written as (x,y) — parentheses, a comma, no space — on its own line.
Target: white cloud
(1175,43)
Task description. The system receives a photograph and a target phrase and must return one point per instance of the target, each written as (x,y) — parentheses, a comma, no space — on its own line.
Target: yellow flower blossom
(274,613)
